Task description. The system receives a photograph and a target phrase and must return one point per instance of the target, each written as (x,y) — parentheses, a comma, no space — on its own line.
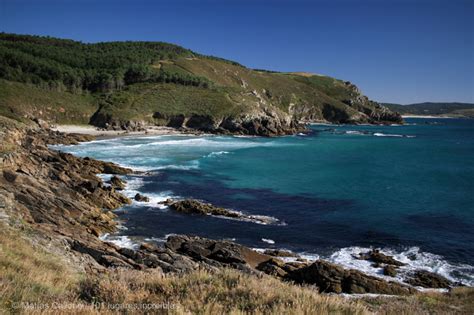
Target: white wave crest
(380,134)
(119,240)
(217,153)
(376,134)
(412,257)
(133,186)
(253,218)
(355,132)
(303,255)
(134,183)
(268,241)
(190,165)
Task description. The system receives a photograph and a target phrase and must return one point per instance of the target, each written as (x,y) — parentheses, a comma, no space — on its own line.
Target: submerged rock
(426,279)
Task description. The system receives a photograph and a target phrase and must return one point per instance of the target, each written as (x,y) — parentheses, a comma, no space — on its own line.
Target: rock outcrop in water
(380,258)
(139,197)
(192,206)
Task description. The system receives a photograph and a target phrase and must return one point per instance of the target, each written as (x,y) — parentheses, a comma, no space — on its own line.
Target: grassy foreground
(35,280)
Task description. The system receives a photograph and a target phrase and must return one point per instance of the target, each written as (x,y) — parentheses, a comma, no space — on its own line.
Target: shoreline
(430,117)
(107,134)
(89,254)
(122,240)
(170,131)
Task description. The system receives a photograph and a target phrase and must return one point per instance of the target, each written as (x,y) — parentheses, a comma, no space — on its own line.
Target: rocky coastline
(264,124)
(61,198)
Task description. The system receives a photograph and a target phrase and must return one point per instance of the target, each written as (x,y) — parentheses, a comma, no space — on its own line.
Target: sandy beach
(94,131)
(425,116)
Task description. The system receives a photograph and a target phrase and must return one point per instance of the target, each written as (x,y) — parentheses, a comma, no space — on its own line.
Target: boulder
(273,267)
(379,258)
(426,279)
(389,270)
(111,168)
(279,253)
(148,247)
(215,253)
(117,183)
(92,185)
(9,175)
(140,198)
(329,277)
(43,124)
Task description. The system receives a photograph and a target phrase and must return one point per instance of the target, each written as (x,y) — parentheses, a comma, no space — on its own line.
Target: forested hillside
(73,66)
(128,85)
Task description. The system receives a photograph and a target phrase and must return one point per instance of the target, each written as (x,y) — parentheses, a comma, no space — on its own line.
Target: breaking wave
(380,134)
(375,134)
(217,153)
(414,259)
(119,240)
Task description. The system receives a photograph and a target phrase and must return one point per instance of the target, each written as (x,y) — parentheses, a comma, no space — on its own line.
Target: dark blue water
(406,189)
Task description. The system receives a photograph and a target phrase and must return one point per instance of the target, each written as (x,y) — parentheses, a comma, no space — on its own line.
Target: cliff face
(133,85)
(267,122)
(241,101)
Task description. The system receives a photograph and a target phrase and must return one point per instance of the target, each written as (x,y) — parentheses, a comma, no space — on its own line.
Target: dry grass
(223,292)
(457,301)
(30,275)
(37,278)
(6,148)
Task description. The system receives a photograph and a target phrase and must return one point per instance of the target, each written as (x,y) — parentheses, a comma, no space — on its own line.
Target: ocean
(335,192)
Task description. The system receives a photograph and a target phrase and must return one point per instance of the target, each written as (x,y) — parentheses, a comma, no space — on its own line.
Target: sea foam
(414,259)
(119,240)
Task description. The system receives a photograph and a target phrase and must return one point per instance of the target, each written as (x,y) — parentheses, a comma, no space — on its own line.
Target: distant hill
(434,109)
(128,85)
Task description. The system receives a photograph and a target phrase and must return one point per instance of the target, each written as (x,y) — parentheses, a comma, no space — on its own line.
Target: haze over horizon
(395,51)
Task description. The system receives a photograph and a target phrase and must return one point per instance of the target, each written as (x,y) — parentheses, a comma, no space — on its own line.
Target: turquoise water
(336,191)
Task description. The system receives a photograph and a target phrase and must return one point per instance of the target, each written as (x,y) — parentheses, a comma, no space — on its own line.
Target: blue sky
(395,50)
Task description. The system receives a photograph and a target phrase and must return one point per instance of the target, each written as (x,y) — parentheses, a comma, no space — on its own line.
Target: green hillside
(128,85)
(435,109)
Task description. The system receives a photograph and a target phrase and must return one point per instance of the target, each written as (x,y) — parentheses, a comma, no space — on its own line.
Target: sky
(400,51)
